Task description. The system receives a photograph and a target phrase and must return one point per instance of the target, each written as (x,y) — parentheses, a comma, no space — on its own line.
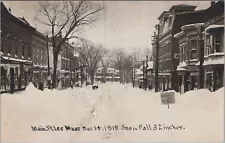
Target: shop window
(3,79)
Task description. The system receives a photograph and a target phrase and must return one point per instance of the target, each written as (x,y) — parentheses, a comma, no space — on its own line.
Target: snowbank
(199,112)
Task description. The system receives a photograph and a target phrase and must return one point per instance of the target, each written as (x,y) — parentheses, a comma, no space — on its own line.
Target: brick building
(16,54)
(39,58)
(190,47)
(68,61)
(170,23)
(201,50)
(214,46)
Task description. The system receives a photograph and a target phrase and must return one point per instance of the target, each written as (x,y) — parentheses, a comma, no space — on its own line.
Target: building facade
(16,51)
(190,47)
(67,64)
(214,46)
(170,23)
(39,58)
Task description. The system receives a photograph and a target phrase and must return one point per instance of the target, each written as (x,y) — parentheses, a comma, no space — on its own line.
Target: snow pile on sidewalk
(199,112)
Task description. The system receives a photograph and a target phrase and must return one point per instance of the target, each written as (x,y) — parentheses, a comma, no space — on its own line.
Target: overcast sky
(125,24)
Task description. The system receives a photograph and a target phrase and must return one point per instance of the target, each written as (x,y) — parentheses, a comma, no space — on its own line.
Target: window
(37,59)
(29,52)
(193,49)
(23,49)
(181,54)
(2,43)
(17,43)
(9,46)
(218,39)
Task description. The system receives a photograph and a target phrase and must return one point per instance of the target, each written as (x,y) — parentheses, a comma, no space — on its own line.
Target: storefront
(15,74)
(214,57)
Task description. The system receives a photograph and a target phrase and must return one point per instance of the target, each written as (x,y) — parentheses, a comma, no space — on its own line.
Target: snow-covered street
(196,116)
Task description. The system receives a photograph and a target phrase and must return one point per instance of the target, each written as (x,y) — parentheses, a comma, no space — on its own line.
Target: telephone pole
(146,73)
(156,38)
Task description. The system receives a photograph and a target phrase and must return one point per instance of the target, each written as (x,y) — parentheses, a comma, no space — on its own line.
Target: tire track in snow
(92,113)
(107,98)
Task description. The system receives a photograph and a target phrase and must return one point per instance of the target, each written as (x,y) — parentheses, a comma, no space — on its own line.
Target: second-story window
(193,49)
(29,52)
(217,42)
(2,43)
(17,44)
(9,41)
(23,50)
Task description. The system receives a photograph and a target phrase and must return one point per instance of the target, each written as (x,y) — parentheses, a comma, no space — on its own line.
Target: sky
(123,24)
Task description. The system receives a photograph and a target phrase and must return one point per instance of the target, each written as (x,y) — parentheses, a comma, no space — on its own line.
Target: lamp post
(199,28)
(156,38)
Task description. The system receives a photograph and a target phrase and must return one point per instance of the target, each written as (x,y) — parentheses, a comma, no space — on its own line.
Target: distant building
(110,75)
(140,77)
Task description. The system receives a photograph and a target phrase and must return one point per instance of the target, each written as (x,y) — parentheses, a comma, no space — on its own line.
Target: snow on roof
(182,64)
(139,72)
(140,77)
(150,65)
(216,61)
(99,68)
(14,59)
(181,69)
(189,26)
(217,54)
(213,27)
(109,77)
(179,34)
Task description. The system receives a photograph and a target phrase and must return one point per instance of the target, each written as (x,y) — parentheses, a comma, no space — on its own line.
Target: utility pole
(146,72)
(143,62)
(48,63)
(157,58)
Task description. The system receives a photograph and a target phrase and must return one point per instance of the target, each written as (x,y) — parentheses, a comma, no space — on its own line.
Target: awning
(15,61)
(215,61)
(214,28)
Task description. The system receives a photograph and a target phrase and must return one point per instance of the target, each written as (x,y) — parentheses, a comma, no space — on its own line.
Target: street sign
(168,97)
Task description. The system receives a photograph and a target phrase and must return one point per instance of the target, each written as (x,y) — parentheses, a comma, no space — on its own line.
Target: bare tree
(65,19)
(91,54)
(119,60)
(106,60)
